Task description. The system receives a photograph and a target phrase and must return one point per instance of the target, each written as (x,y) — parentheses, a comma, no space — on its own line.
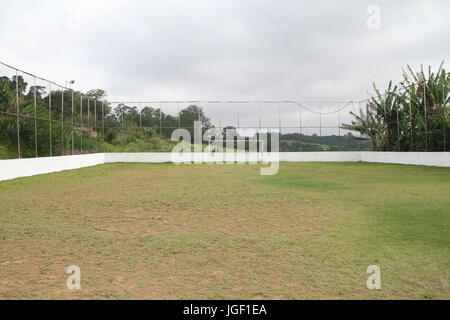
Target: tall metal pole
(81,124)
(387,133)
(259,116)
(140,118)
(95,125)
(398,131)
(300,120)
(62,121)
(300,127)
(103,128)
(238,119)
(359,141)
(279,119)
(367,118)
(73,147)
(160,126)
(50,115)
(89,118)
(339,119)
(220,118)
(179,114)
(17,115)
(35,119)
(160,120)
(320,123)
(425,108)
(259,144)
(445,116)
(411,122)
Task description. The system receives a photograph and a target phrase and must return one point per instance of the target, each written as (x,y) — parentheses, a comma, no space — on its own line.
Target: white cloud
(222,49)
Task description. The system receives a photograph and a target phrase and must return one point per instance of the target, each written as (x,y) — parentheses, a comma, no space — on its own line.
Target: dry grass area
(162,231)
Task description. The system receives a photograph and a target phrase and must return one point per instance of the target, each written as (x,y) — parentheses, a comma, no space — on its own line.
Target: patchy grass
(160,231)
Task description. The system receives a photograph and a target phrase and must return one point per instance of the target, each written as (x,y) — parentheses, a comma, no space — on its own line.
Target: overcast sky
(223,49)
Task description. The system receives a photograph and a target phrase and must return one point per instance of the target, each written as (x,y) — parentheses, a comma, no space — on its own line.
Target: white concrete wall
(439,159)
(152,157)
(10,169)
(243,157)
(334,156)
(162,157)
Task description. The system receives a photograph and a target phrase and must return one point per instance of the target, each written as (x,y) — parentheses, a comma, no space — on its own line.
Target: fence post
(359,140)
(103,128)
(260,129)
(81,123)
(35,119)
(95,125)
(300,124)
(179,115)
(367,119)
(89,115)
(279,124)
(62,121)
(238,119)
(160,126)
(89,122)
(425,109)
(140,116)
(398,131)
(445,116)
(411,122)
(259,115)
(220,118)
(50,115)
(339,118)
(320,123)
(279,117)
(17,115)
(73,146)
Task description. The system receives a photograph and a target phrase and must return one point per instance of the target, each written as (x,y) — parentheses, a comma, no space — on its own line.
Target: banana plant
(411,117)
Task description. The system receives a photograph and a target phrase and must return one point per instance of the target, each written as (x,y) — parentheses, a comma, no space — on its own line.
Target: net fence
(39,117)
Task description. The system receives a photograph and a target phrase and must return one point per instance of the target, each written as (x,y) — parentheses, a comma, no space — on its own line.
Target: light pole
(69,83)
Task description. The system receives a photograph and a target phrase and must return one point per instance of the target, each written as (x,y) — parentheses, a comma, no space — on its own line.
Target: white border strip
(17,168)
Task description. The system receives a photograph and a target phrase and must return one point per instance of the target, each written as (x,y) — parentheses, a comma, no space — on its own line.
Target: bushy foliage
(95,124)
(412,116)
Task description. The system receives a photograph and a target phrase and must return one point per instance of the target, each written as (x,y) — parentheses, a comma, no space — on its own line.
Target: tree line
(94,120)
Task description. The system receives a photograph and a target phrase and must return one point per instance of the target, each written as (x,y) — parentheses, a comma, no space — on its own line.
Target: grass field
(161,231)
